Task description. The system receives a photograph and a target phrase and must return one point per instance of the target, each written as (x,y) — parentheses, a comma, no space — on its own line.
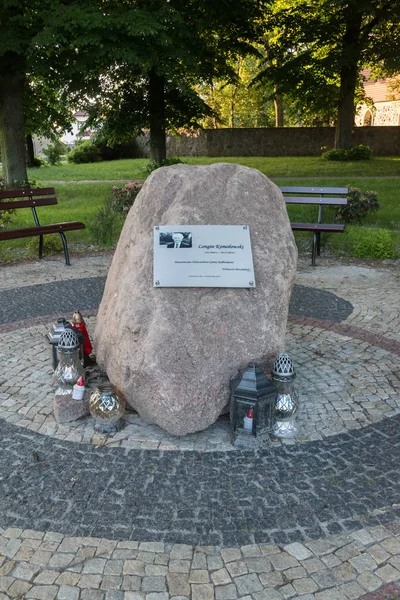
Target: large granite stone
(174,351)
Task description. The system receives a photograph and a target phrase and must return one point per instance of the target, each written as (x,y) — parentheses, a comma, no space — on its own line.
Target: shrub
(103,227)
(52,244)
(359,205)
(364,242)
(38,162)
(124,197)
(54,152)
(84,152)
(166,162)
(359,152)
(374,243)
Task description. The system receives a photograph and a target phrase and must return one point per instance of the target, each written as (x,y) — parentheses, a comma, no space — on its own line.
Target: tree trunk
(346,108)
(158,150)
(12,137)
(279,114)
(30,151)
(349,74)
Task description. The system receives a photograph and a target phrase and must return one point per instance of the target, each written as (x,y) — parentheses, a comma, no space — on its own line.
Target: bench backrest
(314,195)
(32,197)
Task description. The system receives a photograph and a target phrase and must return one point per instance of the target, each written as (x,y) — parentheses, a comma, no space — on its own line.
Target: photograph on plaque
(214,256)
(176,239)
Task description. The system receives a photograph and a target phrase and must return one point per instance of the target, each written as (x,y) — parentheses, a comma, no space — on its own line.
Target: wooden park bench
(320,196)
(32,198)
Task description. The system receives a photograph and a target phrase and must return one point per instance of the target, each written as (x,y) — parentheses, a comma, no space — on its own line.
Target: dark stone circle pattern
(63,297)
(276,495)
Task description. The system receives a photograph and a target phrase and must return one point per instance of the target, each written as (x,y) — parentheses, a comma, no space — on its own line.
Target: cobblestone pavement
(88,517)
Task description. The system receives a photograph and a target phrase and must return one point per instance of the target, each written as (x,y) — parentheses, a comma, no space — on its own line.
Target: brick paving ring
(343,473)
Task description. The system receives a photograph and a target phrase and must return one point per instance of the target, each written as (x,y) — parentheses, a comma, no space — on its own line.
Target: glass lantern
(69,368)
(54,337)
(286,405)
(107,406)
(252,406)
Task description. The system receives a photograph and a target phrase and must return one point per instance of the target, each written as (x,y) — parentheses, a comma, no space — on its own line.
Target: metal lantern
(252,405)
(107,405)
(286,405)
(69,368)
(54,337)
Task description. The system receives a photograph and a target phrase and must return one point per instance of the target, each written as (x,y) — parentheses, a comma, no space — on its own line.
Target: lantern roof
(254,383)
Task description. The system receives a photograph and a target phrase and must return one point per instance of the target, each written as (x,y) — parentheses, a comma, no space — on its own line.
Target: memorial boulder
(173,351)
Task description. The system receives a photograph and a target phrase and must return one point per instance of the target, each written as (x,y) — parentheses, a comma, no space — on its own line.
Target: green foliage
(167,162)
(103,226)
(84,152)
(365,242)
(359,205)
(359,152)
(54,153)
(52,244)
(38,162)
(125,196)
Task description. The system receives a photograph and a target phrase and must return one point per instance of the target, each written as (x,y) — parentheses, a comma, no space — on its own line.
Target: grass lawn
(81,202)
(298,166)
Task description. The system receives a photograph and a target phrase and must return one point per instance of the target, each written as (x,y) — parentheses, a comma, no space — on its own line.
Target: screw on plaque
(251,282)
(157,283)
(156,228)
(245,227)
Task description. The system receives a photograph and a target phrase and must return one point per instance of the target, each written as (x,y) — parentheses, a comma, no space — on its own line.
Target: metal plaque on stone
(203,256)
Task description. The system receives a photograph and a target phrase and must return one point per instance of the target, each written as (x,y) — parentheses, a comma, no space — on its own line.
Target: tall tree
(325,47)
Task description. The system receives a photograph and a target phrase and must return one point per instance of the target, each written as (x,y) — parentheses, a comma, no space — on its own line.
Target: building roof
(378,90)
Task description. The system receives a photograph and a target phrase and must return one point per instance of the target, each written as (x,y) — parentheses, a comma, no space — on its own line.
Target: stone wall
(382,114)
(286,141)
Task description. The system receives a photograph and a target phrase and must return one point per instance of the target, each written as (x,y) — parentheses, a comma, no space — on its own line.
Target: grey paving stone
(131,583)
(325,579)
(306,585)
(352,590)
(258,565)
(25,571)
(248,584)
(18,589)
(42,592)
(202,591)
(221,577)
(268,594)
(154,584)
(181,552)
(388,573)
(283,561)
(67,592)
(90,594)
(298,551)
(237,568)
(364,562)
(178,584)
(231,554)
(199,576)
(179,566)
(199,561)
(226,592)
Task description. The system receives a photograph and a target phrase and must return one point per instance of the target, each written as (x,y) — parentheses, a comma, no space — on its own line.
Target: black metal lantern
(252,404)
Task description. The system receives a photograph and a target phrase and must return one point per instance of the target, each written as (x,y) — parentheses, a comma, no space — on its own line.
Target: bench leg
(65,246)
(40,246)
(319,243)
(314,249)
